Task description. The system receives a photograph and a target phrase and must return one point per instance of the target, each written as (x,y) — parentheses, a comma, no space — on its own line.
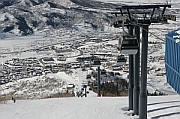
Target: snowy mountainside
(24,17)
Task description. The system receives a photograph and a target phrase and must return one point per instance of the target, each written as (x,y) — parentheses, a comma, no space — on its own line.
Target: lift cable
(136,24)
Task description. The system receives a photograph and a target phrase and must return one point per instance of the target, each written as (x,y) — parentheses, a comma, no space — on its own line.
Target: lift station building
(172,59)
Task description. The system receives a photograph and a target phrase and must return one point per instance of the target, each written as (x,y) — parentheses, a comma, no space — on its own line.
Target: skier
(13,99)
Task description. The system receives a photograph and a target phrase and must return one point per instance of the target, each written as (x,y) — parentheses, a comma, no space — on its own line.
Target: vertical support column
(131,75)
(143,90)
(99,83)
(136,75)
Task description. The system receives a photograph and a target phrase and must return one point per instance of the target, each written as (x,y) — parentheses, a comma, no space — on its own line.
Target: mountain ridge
(23,17)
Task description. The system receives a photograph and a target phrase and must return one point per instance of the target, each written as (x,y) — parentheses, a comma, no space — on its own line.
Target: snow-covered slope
(24,17)
(164,107)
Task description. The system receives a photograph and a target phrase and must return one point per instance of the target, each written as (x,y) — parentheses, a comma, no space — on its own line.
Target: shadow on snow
(162,102)
(165,115)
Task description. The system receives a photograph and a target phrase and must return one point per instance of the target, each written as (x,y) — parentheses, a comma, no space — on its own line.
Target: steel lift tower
(135,17)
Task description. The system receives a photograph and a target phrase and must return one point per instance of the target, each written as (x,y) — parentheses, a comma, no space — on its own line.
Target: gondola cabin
(88,76)
(103,72)
(121,60)
(96,63)
(128,45)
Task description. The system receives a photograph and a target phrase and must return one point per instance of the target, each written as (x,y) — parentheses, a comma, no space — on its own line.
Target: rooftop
(174,35)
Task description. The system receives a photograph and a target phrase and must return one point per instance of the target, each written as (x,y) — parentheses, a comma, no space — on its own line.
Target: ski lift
(103,72)
(88,76)
(118,21)
(121,60)
(96,63)
(128,44)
